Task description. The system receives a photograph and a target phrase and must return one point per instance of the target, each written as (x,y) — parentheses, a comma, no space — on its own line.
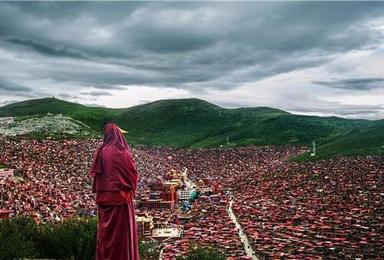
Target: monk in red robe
(115,181)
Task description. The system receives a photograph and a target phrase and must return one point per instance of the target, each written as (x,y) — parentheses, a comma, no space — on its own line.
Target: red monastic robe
(115,181)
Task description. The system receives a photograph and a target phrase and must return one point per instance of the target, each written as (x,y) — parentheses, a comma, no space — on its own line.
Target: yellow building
(144,225)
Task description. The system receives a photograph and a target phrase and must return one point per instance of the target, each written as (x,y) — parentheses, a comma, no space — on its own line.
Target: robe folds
(115,181)
(116,233)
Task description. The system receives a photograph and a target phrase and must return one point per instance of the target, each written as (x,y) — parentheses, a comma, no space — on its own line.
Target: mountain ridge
(194,123)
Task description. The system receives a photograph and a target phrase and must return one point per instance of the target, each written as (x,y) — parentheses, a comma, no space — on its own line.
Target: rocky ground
(48,125)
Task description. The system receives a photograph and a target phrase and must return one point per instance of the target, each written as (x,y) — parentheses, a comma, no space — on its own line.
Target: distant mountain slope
(197,123)
(360,141)
(92,116)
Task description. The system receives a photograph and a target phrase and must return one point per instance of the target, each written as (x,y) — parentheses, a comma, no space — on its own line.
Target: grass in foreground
(74,238)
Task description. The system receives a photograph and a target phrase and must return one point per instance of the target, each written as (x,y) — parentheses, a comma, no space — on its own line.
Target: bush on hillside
(203,253)
(17,237)
(74,238)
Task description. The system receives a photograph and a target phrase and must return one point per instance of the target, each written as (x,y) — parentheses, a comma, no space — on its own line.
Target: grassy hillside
(92,116)
(197,123)
(362,141)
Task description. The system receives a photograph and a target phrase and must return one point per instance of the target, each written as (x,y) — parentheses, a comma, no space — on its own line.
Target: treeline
(74,238)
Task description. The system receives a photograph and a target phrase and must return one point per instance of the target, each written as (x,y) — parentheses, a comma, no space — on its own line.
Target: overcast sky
(304,57)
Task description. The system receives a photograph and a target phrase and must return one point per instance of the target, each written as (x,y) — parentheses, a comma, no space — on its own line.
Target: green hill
(197,123)
(360,141)
(91,116)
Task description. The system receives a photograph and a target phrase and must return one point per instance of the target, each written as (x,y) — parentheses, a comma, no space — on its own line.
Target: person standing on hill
(115,181)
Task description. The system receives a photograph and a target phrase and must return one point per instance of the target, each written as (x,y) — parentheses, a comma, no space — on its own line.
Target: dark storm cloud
(12,87)
(188,45)
(46,50)
(354,84)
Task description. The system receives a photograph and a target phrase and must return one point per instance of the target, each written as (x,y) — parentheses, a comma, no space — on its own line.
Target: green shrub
(148,250)
(74,238)
(17,238)
(203,253)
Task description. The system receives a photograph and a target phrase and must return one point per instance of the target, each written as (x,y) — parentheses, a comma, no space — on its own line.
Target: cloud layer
(232,54)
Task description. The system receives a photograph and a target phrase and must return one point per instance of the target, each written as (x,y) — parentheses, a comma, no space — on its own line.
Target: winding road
(244,239)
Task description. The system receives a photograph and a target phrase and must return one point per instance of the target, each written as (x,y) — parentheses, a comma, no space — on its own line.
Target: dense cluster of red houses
(50,181)
(210,225)
(332,208)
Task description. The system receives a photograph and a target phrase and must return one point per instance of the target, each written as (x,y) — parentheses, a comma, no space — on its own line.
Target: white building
(184,194)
